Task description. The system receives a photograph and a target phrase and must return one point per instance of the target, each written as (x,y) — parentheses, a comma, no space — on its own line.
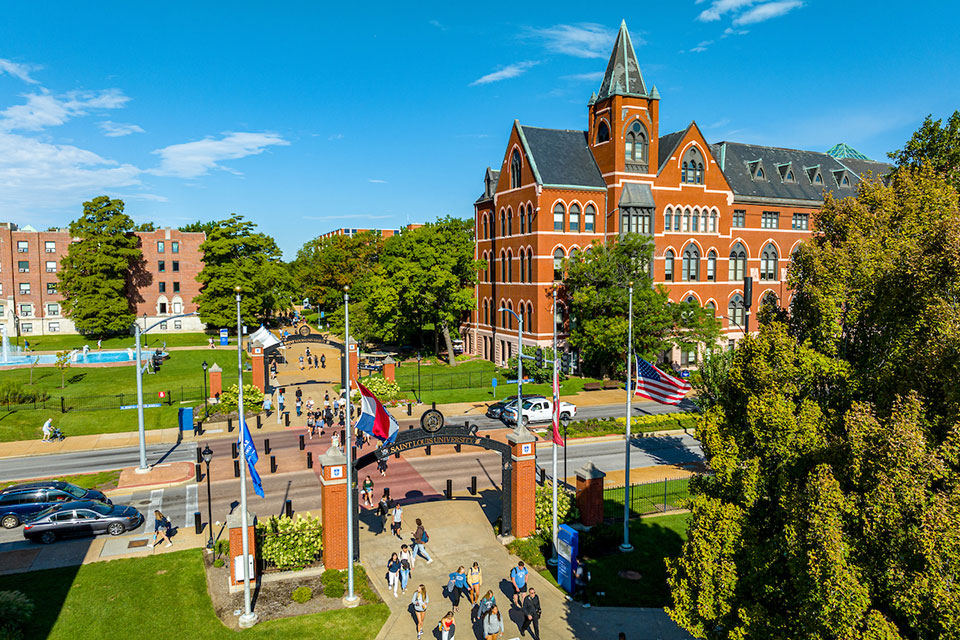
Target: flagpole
(626,546)
(553,558)
(351,596)
(249,618)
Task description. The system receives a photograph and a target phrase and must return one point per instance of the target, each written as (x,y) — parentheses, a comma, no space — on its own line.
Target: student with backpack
(474,580)
(420,540)
(404,567)
(397,523)
(393,573)
(420,602)
(457,586)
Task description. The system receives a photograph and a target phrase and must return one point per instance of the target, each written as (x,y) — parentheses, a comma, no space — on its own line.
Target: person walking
(518,577)
(581,577)
(309,404)
(531,614)
(393,573)
(47,430)
(447,627)
(420,602)
(323,360)
(404,567)
(301,363)
(281,400)
(492,623)
(474,580)
(397,523)
(384,509)
(311,424)
(161,528)
(267,404)
(299,405)
(486,603)
(457,586)
(99,344)
(420,539)
(366,491)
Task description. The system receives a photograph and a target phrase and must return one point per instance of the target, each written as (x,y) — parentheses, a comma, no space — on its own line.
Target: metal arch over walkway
(455,435)
(270,353)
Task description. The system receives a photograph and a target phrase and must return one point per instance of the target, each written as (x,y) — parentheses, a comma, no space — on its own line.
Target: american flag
(656,385)
(556,400)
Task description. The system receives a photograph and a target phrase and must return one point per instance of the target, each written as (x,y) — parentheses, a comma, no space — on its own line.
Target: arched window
(695,226)
(589,218)
(712,308)
(503,223)
(668,219)
(603,132)
(790,177)
(712,265)
(713,221)
(668,259)
(522,213)
(760,174)
(690,270)
(692,166)
(492,272)
(736,311)
(484,226)
(558,212)
(686,220)
(558,264)
(817,179)
(509,221)
(684,172)
(486,313)
(509,315)
(509,266)
(530,218)
(635,143)
(769,299)
(520,257)
(574,217)
(528,320)
(530,266)
(503,267)
(768,263)
(573,254)
(738,262)
(515,170)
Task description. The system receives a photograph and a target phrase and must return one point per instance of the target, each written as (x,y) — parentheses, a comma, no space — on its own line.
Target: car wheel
(48,537)
(10,521)
(116,528)
(525,420)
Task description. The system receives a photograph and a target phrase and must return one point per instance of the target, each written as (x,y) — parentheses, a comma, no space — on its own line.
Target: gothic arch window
(486,313)
(603,132)
(492,272)
(635,143)
(712,265)
(558,264)
(515,169)
(692,299)
(530,218)
(768,263)
(509,266)
(484,226)
(522,214)
(558,213)
(503,223)
(528,320)
(690,269)
(503,267)
(769,299)
(695,224)
(509,221)
(686,220)
(713,222)
(574,217)
(589,218)
(520,256)
(738,262)
(736,311)
(530,266)
(712,308)
(668,259)
(668,219)
(692,166)
(509,315)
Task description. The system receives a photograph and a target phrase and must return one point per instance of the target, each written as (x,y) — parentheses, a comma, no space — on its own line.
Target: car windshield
(526,405)
(74,490)
(101,508)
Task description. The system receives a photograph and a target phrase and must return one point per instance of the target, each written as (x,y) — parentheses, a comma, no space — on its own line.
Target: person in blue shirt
(457,586)
(518,576)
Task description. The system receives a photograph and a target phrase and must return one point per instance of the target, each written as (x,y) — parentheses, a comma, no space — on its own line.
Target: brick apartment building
(386,233)
(716,212)
(30,261)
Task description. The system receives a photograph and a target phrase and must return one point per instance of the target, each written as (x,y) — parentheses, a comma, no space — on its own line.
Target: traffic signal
(565,362)
(539,358)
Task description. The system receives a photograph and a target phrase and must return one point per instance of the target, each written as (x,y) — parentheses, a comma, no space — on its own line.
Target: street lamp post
(626,546)
(206,410)
(249,618)
(519,365)
(351,597)
(207,455)
(419,388)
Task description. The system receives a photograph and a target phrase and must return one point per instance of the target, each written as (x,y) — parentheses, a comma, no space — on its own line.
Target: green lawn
(164,596)
(102,480)
(75,341)
(180,374)
(649,497)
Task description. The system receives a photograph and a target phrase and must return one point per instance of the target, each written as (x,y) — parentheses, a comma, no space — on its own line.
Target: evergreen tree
(101,273)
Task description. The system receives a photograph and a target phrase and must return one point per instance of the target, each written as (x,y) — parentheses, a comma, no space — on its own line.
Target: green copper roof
(843,150)
(623,76)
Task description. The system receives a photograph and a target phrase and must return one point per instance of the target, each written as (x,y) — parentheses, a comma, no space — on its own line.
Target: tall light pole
(626,546)
(206,409)
(207,455)
(348,441)
(249,618)
(519,364)
(553,558)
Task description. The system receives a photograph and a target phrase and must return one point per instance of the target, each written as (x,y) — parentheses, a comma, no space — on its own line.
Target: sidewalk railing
(646,497)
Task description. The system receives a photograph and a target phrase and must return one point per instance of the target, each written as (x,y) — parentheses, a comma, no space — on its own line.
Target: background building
(717,212)
(386,233)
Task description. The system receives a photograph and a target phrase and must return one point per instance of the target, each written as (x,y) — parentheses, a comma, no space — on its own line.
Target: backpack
(451,585)
(425,537)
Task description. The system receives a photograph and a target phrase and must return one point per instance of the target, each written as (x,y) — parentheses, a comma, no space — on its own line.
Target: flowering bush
(290,543)
(567,510)
(379,387)
(252,399)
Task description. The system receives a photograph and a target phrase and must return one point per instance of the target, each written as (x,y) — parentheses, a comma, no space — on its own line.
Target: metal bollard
(259,421)
(286,419)
(473,485)
(397,455)
(429,448)
(309,459)
(303,443)
(266,445)
(457,448)
(233,450)
(199,473)
(273,464)
(236,468)
(466,423)
(288,508)
(410,410)
(199,456)
(449,491)
(433,405)
(229,424)
(197,525)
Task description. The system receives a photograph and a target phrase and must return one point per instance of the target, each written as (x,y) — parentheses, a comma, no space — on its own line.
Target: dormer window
(756,170)
(813,173)
(786,173)
(843,180)
(603,132)
(692,167)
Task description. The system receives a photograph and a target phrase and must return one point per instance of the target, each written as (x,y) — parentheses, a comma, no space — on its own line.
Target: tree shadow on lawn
(77,377)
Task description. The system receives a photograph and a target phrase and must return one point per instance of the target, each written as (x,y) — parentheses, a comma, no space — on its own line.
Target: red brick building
(386,233)
(717,212)
(30,261)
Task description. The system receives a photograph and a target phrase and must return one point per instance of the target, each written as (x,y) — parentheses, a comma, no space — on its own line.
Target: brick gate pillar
(523,497)
(333,507)
(590,494)
(389,369)
(216,380)
(256,367)
(235,533)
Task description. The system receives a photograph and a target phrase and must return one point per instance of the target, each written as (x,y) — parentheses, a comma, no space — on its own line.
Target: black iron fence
(176,395)
(46,403)
(647,497)
(409,381)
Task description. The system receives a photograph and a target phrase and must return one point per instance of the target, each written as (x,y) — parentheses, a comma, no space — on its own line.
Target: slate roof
(623,76)
(490,178)
(866,167)
(637,194)
(561,157)
(666,146)
(738,162)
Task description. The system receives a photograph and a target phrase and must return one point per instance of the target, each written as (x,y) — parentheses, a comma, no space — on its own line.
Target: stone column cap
(332,457)
(520,435)
(589,471)
(235,519)
(214,368)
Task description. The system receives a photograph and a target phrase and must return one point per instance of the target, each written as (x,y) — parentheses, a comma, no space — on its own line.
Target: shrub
(290,543)
(15,610)
(221,547)
(567,510)
(12,392)
(219,563)
(379,387)
(533,551)
(302,594)
(333,583)
(252,399)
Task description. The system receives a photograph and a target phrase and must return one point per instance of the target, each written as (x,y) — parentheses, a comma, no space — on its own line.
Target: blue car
(20,502)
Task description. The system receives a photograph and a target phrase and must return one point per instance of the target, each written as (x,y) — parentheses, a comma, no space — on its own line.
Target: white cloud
(438,25)
(509,71)
(336,136)
(592,76)
(194,159)
(376,181)
(730,31)
(585,40)
(47,110)
(18,70)
(702,46)
(763,12)
(719,7)
(119,129)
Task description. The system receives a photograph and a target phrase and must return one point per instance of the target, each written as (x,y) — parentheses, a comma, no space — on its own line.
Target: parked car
(81,518)
(496,409)
(20,501)
(538,410)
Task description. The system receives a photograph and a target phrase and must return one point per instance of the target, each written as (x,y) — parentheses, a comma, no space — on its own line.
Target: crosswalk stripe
(192,504)
(156,500)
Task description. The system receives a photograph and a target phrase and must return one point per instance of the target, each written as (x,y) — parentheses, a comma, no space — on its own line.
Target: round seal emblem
(431,420)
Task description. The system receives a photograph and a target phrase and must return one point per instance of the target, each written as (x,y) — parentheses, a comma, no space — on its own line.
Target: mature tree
(100,275)
(234,254)
(595,289)
(424,280)
(146,226)
(323,266)
(539,375)
(936,144)
(198,226)
(833,510)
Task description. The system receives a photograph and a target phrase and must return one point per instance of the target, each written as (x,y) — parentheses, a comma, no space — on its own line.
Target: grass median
(102,480)
(152,340)
(161,594)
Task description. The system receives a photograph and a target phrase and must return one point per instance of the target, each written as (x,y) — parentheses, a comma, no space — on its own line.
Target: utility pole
(626,546)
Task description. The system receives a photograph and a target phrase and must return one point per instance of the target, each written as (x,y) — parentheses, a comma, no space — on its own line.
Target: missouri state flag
(654,384)
(374,419)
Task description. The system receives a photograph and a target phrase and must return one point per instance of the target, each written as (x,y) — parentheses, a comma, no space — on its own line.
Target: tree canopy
(198,226)
(937,144)
(100,275)
(234,254)
(323,267)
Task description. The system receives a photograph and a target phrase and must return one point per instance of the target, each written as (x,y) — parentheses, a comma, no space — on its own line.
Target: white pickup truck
(537,410)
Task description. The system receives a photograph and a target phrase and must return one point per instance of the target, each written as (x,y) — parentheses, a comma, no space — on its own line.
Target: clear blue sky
(305,117)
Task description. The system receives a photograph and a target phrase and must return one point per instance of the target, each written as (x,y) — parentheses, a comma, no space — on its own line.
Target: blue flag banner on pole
(250,452)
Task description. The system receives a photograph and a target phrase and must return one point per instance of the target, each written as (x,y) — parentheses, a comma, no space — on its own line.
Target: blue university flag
(250,452)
